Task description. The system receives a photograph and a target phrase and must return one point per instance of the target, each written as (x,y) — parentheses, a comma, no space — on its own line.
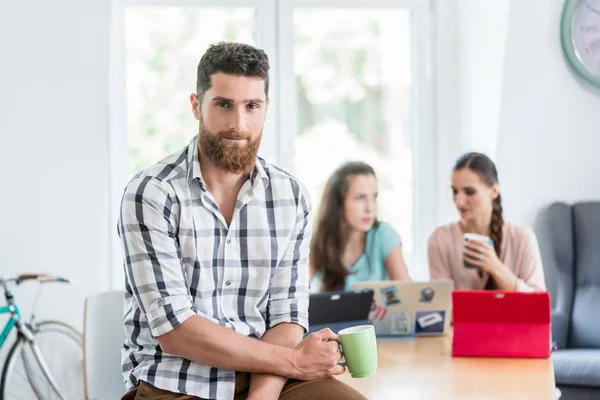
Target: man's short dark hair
(232,58)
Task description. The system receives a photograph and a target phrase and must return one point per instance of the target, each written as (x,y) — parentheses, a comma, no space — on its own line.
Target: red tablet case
(501,324)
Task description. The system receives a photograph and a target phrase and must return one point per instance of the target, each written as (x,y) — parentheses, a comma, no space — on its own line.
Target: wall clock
(580,32)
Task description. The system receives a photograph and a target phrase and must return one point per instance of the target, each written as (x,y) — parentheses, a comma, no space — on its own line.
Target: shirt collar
(259,172)
(194,171)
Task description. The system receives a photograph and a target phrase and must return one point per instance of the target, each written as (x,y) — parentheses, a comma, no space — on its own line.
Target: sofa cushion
(577,367)
(584,328)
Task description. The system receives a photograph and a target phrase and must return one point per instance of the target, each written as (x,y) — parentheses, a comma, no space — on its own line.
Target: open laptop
(339,310)
(402,308)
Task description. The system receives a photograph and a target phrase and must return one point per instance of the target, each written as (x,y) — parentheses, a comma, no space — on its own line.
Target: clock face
(585,31)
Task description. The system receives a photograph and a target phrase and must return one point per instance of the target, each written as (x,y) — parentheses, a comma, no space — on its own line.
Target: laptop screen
(325,308)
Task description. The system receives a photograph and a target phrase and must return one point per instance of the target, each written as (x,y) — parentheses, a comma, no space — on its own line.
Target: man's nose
(237,120)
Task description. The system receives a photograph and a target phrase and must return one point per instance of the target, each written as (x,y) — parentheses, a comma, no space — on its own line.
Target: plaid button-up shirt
(181,259)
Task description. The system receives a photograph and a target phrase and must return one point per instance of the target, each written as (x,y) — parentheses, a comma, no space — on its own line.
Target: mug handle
(342,363)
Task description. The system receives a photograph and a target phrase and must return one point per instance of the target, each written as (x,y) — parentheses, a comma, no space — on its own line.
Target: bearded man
(216,255)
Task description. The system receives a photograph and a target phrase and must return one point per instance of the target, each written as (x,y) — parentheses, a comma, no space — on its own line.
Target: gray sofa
(569,237)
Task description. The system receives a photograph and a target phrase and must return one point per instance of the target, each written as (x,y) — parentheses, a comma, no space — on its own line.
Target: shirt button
(228,241)
(228,283)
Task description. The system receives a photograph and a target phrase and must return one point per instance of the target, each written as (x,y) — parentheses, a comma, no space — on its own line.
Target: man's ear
(195,102)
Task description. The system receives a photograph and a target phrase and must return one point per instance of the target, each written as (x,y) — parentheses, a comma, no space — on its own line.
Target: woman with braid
(512,263)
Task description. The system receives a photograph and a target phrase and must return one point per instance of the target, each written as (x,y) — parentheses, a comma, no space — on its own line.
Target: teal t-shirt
(381,240)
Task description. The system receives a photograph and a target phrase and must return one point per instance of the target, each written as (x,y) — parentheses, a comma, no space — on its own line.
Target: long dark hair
(486,170)
(331,230)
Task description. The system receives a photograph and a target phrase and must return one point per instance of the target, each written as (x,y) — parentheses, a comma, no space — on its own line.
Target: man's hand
(317,356)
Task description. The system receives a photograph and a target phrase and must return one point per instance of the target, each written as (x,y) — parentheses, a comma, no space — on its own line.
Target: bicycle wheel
(55,355)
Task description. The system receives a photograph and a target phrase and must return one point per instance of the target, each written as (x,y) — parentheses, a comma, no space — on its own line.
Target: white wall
(549,131)
(53,152)
(482,32)
(470,49)
(517,99)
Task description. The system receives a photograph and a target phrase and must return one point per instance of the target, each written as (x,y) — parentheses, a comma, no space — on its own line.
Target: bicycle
(26,373)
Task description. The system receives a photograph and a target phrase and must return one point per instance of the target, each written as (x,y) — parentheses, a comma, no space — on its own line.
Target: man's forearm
(267,386)
(206,343)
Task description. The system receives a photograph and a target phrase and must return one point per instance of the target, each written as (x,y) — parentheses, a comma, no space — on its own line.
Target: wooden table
(424,369)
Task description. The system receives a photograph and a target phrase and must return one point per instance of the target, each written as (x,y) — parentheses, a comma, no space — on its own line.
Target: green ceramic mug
(359,347)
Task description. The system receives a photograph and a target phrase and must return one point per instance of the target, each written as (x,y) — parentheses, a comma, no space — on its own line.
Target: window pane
(163,47)
(354,80)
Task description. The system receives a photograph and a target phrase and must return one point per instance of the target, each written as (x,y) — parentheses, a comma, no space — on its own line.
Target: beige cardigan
(519,252)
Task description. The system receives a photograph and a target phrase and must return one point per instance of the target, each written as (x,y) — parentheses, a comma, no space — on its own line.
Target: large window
(162,46)
(348,82)
(353,74)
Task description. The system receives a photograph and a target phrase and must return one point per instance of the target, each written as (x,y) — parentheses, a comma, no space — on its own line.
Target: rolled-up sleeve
(152,258)
(289,290)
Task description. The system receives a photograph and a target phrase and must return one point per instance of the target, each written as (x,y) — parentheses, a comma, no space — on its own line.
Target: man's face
(232,115)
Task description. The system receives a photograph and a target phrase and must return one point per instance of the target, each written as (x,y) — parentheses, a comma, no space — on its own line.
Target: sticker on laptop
(427,295)
(390,295)
(378,314)
(429,321)
(400,323)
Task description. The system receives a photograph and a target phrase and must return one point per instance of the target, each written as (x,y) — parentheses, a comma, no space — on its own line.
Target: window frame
(274,28)
(423,144)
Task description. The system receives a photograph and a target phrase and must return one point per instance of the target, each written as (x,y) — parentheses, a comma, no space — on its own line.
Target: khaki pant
(320,389)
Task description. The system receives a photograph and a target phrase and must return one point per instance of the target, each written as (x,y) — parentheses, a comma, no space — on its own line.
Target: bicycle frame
(27,331)
(15,317)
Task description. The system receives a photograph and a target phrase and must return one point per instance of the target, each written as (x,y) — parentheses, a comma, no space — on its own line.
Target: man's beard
(234,157)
